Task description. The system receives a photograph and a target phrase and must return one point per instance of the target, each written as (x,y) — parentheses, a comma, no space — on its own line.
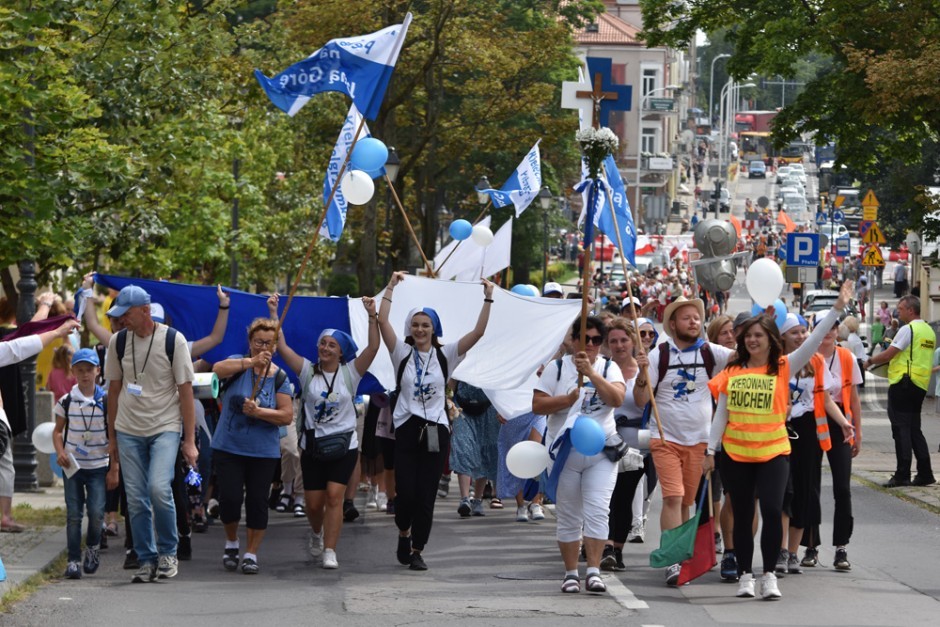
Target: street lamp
(392,165)
(483,183)
(545,199)
(639,139)
(727,126)
(711,88)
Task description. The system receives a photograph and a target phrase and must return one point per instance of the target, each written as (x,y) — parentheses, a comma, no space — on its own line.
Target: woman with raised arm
(422,430)
(326,425)
(750,424)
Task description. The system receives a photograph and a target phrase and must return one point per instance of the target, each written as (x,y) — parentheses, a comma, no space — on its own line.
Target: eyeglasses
(647,333)
(596,340)
(262,343)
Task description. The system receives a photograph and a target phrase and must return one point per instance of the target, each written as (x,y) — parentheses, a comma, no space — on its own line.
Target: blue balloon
(533,291)
(756,310)
(54,465)
(521,289)
(587,436)
(780,312)
(375,173)
(369,154)
(460,229)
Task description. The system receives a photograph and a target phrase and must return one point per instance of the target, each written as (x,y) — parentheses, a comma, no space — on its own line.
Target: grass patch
(28,515)
(24,590)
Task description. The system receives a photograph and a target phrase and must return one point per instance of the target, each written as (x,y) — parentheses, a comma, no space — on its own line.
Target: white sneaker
(371,500)
(638,533)
(315,543)
(381,501)
(768,587)
(536,512)
(329,559)
(522,514)
(746,586)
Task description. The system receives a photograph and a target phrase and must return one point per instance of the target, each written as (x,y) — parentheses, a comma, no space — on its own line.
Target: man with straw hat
(679,370)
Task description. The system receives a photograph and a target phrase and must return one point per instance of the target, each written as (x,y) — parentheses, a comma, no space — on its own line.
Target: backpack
(101,400)
(708,360)
(393,396)
(169,345)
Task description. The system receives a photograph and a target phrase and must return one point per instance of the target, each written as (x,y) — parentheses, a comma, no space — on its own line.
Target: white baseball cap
(552,288)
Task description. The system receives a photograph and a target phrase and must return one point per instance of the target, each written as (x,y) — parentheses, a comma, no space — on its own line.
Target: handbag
(328,448)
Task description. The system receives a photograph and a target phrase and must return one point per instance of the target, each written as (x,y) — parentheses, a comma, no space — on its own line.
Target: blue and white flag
(605,221)
(359,67)
(523,186)
(332,228)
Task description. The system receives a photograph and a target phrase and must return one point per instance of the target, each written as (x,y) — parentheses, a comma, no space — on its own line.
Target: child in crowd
(81,444)
(60,379)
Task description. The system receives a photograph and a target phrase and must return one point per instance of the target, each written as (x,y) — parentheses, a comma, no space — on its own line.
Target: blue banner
(359,67)
(192,310)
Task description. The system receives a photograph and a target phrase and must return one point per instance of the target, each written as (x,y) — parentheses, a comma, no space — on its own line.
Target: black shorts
(317,474)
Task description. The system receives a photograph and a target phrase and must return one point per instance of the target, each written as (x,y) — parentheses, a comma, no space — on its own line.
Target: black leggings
(769,481)
(621,502)
(805,473)
(840,463)
(417,473)
(239,476)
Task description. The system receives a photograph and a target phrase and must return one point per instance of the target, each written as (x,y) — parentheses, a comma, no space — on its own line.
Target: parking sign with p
(802,250)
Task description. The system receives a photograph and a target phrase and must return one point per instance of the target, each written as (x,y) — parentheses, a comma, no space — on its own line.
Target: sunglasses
(596,340)
(647,333)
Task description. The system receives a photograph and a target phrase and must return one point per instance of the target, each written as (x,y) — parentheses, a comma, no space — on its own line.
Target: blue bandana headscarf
(346,344)
(642,321)
(430,313)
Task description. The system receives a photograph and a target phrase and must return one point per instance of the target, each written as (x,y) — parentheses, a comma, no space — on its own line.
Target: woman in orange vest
(843,388)
(750,424)
(809,429)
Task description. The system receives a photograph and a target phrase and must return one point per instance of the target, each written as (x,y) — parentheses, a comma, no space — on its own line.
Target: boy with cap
(81,444)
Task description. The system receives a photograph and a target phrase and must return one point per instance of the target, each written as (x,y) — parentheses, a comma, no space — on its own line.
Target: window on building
(650,80)
(648,141)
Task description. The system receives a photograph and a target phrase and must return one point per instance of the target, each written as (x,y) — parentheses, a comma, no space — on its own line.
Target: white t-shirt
(629,408)
(87,436)
(329,403)
(423,395)
(835,383)
(683,399)
(554,383)
(801,393)
(903,338)
(854,343)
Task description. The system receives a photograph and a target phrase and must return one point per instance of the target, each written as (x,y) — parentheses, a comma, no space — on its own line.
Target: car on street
(816,301)
(724,201)
(831,230)
(756,170)
(782,173)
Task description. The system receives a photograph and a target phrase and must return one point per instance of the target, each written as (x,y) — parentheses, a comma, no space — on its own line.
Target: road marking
(624,596)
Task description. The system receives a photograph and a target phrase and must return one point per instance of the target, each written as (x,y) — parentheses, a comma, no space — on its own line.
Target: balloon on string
(764,282)
(369,154)
(482,235)
(42,438)
(521,289)
(780,313)
(587,436)
(527,459)
(357,187)
(460,229)
(374,174)
(756,310)
(533,291)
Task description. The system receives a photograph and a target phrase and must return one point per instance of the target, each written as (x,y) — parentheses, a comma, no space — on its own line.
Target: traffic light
(715,238)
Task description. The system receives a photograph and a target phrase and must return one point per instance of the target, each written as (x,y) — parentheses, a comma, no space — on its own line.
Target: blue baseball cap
(129,296)
(87,355)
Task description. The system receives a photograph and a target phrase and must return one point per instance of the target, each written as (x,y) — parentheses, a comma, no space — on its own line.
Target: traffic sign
(843,246)
(872,256)
(870,200)
(820,217)
(873,235)
(838,215)
(802,250)
(870,213)
(838,201)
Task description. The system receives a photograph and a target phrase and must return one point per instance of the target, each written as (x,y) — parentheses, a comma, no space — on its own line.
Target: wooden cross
(597,95)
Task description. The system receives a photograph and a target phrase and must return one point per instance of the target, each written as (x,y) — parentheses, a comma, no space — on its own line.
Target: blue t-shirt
(239,434)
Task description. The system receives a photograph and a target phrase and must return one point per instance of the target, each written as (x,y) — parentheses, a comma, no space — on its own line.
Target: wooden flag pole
(478,218)
(636,321)
(411,230)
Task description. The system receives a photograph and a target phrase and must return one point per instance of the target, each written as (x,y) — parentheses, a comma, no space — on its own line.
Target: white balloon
(764,282)
(42,438)
(357,187)
(527,459)
(482,235)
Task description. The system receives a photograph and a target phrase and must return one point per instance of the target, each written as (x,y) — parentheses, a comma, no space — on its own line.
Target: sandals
(282,504)
(571,584)
(594,583)
(495,503)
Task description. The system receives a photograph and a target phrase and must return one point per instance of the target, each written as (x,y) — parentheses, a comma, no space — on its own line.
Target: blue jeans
(84,489)
(147,463)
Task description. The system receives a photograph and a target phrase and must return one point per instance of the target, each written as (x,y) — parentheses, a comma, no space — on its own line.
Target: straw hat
(682,301)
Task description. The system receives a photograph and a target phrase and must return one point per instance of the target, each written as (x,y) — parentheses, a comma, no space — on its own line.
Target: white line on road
(623,595)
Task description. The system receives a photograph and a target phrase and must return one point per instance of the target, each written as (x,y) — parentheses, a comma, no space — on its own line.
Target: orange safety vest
(819,402)
(757,411)
(847,363)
